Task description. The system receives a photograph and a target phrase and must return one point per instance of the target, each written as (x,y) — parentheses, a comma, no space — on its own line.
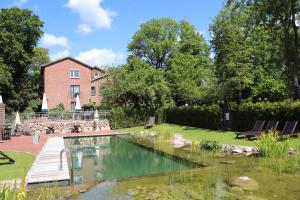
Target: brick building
(66,78)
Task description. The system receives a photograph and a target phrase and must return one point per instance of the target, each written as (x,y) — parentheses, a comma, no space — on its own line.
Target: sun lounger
(10,160)
(150,122)
(256,128)
(288,129)
(272,125)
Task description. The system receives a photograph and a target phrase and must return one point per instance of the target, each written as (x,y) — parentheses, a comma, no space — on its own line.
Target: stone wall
(67,125)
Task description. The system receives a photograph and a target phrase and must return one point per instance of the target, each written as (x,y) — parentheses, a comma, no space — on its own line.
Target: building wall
(57,83)
(97,84)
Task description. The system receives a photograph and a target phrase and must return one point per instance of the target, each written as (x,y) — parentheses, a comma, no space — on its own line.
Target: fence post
(2,119)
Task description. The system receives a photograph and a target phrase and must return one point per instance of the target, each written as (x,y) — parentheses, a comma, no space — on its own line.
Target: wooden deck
(46,166)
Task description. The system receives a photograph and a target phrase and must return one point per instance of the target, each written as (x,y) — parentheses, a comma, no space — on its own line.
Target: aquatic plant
(276,153)
(8,193)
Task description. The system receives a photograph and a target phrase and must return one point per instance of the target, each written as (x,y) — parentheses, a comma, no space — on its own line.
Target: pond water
(127,171)
(114,158)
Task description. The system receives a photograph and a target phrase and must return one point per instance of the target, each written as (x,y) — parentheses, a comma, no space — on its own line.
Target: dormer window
(74,73)
(96,75)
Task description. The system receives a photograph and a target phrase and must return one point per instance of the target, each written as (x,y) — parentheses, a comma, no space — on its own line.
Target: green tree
(190,72)
(35,79)
(137,85)
(20,31)
(247,56)
(282,15)
(155,41)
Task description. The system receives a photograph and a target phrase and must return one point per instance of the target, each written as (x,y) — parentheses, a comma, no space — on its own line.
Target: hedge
(126,117)
(209,117)
(242,116)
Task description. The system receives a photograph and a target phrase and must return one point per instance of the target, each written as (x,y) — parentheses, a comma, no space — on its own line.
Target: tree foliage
(20,30)
(247,56)
(137,85)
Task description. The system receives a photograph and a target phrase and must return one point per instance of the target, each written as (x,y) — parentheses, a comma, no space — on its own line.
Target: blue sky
(98,31)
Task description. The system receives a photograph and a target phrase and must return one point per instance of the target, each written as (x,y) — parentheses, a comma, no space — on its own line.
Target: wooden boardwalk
(46,166)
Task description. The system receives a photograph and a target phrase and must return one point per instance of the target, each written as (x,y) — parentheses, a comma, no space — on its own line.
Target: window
(73,104)
(75,90)
(93,91)
(74,73)
(96,75)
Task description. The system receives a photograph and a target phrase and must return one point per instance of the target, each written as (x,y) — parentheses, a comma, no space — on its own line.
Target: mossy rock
(237,190)
(252,197)
(227,162)
(244,182)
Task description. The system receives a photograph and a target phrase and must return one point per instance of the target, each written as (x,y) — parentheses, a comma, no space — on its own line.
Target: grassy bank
(17,170)
(198,134)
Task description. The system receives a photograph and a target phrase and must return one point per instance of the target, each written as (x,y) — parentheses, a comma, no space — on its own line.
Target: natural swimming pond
(132,172)
(114,158)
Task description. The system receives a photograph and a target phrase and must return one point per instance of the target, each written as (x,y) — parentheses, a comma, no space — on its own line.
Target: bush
(276,153)
(210,145)
(242,116)
(126,118)
(209,117)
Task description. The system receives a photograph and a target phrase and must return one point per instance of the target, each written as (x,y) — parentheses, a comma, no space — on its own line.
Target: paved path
(24,143)
(46,166)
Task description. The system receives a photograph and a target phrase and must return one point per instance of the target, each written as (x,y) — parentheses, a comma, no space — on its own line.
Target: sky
(97,32)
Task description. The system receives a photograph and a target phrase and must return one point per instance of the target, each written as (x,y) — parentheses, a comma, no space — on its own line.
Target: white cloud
(84,28)
(59,55)
(100,57)
(92,14)
(49,40)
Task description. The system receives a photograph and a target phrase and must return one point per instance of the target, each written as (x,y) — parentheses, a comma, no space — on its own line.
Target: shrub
(210,145)
(59,108)
(269,145)
(276,153)
(242,116)
(126,117)
(209,117)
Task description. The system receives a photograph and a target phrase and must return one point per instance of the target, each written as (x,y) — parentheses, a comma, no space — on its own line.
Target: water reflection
(111,157)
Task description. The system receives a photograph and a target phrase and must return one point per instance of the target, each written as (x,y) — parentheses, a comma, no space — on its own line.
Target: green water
(139,173)
(110,158)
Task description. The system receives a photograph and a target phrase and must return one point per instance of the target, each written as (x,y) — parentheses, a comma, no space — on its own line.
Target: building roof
(74,60)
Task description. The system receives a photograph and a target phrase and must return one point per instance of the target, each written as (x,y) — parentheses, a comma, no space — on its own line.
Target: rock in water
(244,182)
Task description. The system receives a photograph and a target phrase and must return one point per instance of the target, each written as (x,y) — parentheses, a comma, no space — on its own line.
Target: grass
(17,170)
(199,134)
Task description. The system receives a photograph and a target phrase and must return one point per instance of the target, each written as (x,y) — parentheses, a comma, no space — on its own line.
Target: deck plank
(46,166)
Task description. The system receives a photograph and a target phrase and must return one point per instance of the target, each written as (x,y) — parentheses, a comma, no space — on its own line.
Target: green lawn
(17,170)
(198,134)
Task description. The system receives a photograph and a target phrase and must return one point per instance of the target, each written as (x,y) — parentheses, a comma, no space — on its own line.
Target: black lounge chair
(272,125)
(10,160)
(256,128)
(150,122)
(288,129)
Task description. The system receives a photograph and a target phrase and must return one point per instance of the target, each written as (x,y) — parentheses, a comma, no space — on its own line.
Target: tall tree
(248,56)
(35,79)
(155,41)
(20,31)
(138,85)
(283,15)
(190,71)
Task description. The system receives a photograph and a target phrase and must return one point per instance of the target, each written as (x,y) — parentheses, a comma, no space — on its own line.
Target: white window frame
(72,73)
(96,75)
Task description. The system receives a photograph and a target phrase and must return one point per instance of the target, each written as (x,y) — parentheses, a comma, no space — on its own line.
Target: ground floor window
(75,90)
(73,104)
(93,91)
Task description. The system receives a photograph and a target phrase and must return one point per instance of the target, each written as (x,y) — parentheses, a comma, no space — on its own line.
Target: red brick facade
(61,85)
